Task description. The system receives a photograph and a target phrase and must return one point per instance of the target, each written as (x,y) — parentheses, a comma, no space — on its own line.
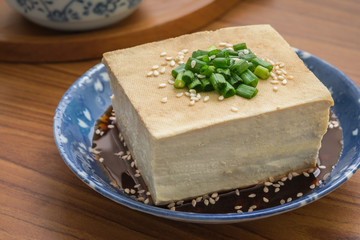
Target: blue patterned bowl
(74,15)
(89,97)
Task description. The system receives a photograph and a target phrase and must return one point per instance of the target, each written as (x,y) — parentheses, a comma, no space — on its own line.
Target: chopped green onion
(221,62)
(228,91)
(214,52)
(207,70)
(179,83)
(178,69)
(249,78)
(232,52)
(218,81)
(239,66)
(206,85)
(204,58)
(259,61)
(194,67)
(199,53)
(223,53)
(262,72)
(246,91)
(188,76)
(235,80)
(251,66)
(196,84)
(239,46)
(212,47)
(224,72)
(248,57)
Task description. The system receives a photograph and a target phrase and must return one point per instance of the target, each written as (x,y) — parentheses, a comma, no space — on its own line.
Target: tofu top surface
(163,120)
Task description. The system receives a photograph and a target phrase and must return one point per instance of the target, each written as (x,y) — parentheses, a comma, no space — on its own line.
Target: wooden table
(40,198)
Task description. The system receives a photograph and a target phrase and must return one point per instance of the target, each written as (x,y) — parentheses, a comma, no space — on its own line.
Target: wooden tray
(23,41)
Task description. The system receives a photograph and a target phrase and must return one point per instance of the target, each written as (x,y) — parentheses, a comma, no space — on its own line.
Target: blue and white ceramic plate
(89,97)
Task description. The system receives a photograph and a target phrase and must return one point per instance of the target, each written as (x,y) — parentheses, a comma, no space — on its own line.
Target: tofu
(186,151)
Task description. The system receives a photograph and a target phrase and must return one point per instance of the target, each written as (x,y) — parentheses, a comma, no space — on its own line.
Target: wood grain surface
(21,40)
(40,198)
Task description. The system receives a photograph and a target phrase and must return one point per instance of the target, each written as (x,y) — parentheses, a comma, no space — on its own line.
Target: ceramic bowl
(74,15)
(89,97)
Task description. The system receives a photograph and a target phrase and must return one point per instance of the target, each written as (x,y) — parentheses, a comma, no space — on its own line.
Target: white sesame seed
(237,207)
(126,190)
(282,201)
(266,189)
(250,210)
(181,53)
(124,157)
(170,81)
(284,82)
(214,195)
(299,194)
(211,200)
(306,174)
(284,179)
(312,186)
(271,62)
(326,176)
(275,88)
(220,98)
(132,191)
(119,153)
(291,77)
(179,94)
(289,199)
(252,195)
(311,170)
(271,179)
(149,74)
(274,82)
(322,167)
(283,71)
(192,91)
(163,54)
(162,70)
(141,191)
(206,202)
(171,205)
(222,44)
(172,209)
(268,183)
(217,198)
(162,85)
(281,183)
(155,67)
(128,157)
(193,202)
(193,63)
(187,94)
(198,95)
(194,98)
(164,64)
(146,201)
(192,103)
(148,193)
(253,207)
(237,192)
(168,58)
(156,73)
(180,62)
(164,100)
(282,65)
(295,174)
(172,63)
(101,159)
(281,78)
(137,186)
(272,74)
(246,51)
(229,45)
(179,202)
(185,50)
(278,72)
(234,109)
(206,98)
(97,131)
(290,176)
(198,199)
(277,189)
(137,175)
(132,164)
(277,68)
(201,76)
(276,185)
(265,199)
(239,211)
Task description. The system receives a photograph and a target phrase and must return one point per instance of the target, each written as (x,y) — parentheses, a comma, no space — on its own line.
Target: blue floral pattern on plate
(89,97)
(67,12)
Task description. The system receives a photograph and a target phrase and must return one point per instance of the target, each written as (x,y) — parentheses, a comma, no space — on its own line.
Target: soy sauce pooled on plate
(115,159)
